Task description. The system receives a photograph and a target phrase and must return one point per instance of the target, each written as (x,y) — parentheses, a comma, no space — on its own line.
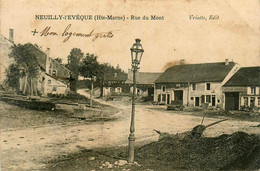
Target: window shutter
(242,101)
(248,90)
(202,98)
(257,90)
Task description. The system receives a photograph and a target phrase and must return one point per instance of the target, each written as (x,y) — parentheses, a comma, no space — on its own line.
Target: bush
(245,108)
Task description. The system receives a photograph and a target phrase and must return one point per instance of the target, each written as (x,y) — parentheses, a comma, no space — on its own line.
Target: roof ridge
(250,67)
(7,38)
(204,63)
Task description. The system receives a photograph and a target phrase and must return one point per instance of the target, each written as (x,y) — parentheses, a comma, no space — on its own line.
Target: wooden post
(188,94)
(91,92)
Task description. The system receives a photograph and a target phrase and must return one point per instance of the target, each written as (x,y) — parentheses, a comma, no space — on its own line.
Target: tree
(90,67)
(12,76)
(73,65)
(73,61)
(25,67)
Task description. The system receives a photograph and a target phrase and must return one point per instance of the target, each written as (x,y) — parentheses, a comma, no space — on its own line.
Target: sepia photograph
(129,85)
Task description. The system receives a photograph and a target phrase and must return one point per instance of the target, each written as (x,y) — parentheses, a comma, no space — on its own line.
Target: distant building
(5,49)
(194,84)
(242,90)
(114,82)
(144,82)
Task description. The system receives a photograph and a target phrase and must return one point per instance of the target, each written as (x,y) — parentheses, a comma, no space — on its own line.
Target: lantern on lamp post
(136,56)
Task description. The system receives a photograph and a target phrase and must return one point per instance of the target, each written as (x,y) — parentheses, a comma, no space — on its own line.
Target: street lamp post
(136,56)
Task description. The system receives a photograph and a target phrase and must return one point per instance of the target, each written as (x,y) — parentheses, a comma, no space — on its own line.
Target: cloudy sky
(234,35)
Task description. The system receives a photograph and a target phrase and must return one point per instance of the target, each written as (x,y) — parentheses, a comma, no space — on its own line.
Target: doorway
(178,97)
(252,102)
(231,100)
(197,101)
(213,102)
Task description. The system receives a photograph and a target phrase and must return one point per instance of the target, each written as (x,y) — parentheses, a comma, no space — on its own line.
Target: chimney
(11,35)
(226,62)
(48,52)
(47,67)
(182,61)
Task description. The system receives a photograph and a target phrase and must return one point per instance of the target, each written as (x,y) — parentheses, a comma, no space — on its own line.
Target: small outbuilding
(242,89)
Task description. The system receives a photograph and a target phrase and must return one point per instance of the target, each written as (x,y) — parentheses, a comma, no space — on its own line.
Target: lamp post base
(131,149)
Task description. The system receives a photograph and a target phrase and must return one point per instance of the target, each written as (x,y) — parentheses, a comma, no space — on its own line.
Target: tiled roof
(246,76)
(143,77)
(115,76)
(40,55)
(62,72)
(206,72)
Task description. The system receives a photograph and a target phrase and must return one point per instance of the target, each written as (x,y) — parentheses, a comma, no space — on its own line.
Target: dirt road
(29,148)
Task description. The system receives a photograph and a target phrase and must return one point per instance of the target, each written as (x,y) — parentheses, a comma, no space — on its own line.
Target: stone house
(194,84)
(5,49)
(144,82)
(114,82)
(53,77)
(242,89)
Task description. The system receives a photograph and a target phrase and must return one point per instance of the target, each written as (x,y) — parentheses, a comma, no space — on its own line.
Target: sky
(234,35)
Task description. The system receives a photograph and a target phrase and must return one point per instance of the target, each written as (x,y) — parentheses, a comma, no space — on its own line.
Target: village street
(29,148)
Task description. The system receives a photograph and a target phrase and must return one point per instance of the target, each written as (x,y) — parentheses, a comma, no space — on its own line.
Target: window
(207,86)
(258,101)
(252,101)
(54,89)
(49,81)
(253,90)
(246,101)
(159,97)
(193,87)
(163,97)
(208,98)
(192,98)
(54,72)
(163,88)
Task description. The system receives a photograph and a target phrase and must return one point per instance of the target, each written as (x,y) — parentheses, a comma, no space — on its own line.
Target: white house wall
(5,49)
(215,89)
(243,93)
(54,86)
(107,90)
